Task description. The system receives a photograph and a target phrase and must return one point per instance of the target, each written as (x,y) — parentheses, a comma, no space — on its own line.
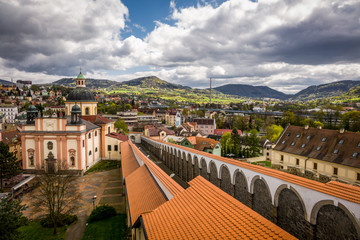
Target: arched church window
(96,149)
(89,135)
(95,133)
(72,153)
(31,157)
(87,111)
(89,153)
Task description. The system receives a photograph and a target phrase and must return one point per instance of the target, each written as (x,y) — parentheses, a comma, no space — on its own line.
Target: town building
(82,97)
(157,132)
(319,153)
(130,118)
(21,84)
(12,138)
(76,141)
(206,125)
(203,144)
(173,118)
(9,113)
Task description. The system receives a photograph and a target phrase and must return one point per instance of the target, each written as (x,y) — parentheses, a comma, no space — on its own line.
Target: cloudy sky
(284,44)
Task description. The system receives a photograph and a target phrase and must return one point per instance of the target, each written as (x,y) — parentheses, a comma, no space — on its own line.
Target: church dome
(76,108)
(80,95)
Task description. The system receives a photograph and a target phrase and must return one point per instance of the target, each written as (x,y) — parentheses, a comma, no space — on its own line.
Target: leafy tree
(35,87)
(120,125)
(11,218)
(235,137)
(289,118)
(8,164)
(318,124)
(185,112)
(273,132)
(226,143)
(252,142)
(58,196)
(128,107)
(351,121)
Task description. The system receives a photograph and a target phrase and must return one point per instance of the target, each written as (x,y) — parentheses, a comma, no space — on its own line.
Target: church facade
(75,140)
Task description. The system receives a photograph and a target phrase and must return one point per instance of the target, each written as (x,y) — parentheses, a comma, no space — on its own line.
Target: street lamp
(94,198)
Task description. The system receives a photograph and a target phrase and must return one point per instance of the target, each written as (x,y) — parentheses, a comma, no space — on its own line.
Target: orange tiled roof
(118,136)
(128,161)
(96,119)
(202,143)
(173,187)
(143,193)
(346,192)
(204,211)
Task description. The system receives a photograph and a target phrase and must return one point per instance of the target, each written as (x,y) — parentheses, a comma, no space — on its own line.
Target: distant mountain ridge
(5,82)
(152,82)
(244,90)
(90,82)
(326,90)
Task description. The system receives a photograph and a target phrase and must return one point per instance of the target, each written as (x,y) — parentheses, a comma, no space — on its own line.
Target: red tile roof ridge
(202,217)
(331,189)
(165,179)
(142,197)
(128,160)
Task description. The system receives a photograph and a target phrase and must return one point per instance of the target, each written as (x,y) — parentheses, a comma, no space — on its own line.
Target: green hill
(90,83)
(326,90)
(251,91)
(151,82)
(4,82)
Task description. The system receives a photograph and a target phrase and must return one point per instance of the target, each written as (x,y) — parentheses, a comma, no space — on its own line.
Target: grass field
(104,165)
(111,228)
(34,231)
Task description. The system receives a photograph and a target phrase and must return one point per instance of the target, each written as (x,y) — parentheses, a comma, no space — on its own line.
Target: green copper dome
(75,109)
(80,76)
(80,94)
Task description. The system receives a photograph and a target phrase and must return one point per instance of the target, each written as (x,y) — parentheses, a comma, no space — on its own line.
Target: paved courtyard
(108,188)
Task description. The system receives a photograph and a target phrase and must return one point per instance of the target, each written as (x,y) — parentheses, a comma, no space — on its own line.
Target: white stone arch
(220,171)
(266,184)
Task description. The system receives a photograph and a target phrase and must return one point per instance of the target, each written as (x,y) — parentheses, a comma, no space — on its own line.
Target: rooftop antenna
(210,90)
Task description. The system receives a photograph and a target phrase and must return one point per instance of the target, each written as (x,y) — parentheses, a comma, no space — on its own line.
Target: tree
(273,132)
(121,125)
(235,137)
(226,143)
(252,141)
(11,218)
(8,164)
(56,197)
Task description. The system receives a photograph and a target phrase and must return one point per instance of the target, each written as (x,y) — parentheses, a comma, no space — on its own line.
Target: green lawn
(266,163)
(34,231)
(111,228)
(104,165)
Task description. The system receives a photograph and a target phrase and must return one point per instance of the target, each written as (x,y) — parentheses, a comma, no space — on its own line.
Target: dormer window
(336,151)
(355,154)
(288,135)
(308,137)
(318,148)
(298,135)
(283,142)
(293,143)
(324,139)
(341,141)
(303,145)
(359,144)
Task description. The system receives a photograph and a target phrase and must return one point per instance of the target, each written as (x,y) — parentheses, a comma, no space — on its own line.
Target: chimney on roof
(319,127)
(342,130)
(306,126)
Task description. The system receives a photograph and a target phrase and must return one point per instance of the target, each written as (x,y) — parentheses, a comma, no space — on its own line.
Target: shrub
(63,220)
(101,212)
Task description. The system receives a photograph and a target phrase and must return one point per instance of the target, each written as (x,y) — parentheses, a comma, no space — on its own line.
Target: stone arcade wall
(303,212)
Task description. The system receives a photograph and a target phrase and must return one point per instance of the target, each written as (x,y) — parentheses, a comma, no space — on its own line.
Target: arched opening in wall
(176,163)
(225,185)
(184,167)
(262,199)
(180,164)
(204,169)
(213,174)
(87,111)
(189,168)
(196,167)
(291,213)
(241,191)
(335,223)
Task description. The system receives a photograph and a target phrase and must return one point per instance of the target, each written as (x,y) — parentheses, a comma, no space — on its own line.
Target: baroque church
(75,140)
